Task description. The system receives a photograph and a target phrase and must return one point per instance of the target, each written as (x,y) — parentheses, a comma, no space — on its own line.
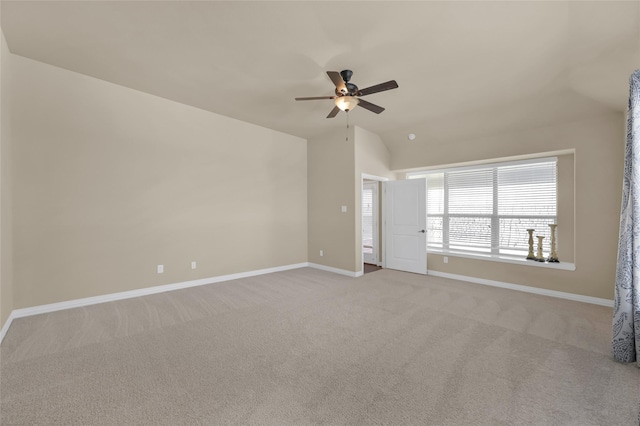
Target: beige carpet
(307,347)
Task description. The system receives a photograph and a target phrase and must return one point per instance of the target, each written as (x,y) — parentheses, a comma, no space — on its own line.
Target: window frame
(494,252)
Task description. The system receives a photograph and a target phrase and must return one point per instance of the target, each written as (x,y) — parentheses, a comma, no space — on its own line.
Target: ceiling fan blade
(338,81)
(315,97)
(391,84)
(333,112)
(371,107)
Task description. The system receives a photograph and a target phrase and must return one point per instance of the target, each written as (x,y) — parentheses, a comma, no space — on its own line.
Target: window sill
(565,266)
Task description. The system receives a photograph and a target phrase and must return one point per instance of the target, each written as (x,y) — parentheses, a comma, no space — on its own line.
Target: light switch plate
(344,209)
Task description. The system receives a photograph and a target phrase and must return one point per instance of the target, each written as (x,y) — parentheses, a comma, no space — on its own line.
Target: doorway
(370,224)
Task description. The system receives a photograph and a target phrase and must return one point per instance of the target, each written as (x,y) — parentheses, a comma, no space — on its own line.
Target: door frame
(367,176)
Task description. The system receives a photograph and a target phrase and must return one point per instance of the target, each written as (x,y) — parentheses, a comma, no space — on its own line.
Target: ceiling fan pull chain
(347,114)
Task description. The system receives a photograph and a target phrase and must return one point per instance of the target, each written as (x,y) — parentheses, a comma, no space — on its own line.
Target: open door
(405,216)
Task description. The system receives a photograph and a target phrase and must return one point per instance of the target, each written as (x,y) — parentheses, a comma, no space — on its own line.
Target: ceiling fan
(348,95)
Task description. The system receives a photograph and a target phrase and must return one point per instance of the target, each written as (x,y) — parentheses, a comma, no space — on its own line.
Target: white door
(405,217)
(370,222)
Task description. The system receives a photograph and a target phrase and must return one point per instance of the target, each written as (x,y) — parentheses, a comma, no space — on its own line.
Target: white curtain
(626,314)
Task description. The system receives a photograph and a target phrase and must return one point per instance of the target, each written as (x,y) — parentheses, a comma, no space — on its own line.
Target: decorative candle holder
(553,256)
(531,256)
(539,255)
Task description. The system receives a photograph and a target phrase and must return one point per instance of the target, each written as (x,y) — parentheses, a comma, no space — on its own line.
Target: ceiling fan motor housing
(352,90)
(346,75)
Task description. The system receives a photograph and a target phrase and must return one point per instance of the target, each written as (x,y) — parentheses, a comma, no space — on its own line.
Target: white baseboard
(6,326)
(527,289)
(335,270)
(52,307)
(76,303)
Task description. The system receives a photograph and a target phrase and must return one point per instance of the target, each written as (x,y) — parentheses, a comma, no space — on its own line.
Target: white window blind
(487,209)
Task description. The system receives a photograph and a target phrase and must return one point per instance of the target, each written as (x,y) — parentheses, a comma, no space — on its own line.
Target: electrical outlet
(193,265)
(321,253)
(445,259)
(160,269)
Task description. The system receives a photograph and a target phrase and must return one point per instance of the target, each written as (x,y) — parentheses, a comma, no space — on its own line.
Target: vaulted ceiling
(464,69)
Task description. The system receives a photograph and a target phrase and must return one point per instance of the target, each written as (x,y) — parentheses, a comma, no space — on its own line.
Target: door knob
(423,231)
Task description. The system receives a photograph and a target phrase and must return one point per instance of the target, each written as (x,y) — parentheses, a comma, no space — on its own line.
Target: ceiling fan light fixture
(346,103)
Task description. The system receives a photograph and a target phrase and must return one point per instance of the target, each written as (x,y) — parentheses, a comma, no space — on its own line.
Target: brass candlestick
(553,256)
(531,256)
(539,255)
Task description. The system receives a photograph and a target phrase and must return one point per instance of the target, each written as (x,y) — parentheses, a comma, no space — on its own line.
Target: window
(486,210)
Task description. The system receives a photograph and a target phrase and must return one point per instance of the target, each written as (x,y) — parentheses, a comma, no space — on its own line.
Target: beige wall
(333,162)
(110,182)
(371,157)
(565,244)
(599,146)
(6,249)
(331,172)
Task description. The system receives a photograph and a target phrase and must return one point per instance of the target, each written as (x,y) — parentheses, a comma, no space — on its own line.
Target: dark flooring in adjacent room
(368,267)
